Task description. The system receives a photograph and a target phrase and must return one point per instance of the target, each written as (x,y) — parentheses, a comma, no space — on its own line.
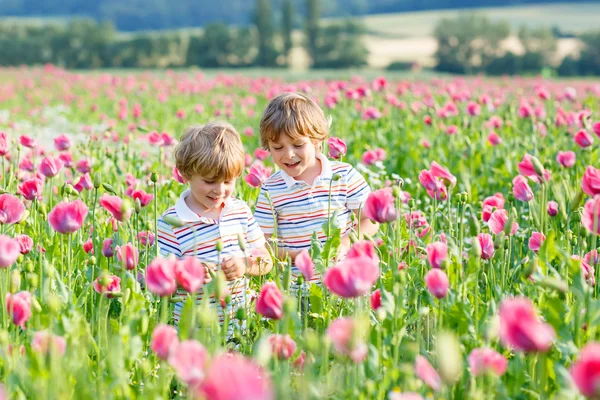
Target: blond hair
(213,151)
(293,114)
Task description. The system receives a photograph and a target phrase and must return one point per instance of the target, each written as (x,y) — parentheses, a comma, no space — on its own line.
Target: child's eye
(277,148)
(209,182)
(299,145)
(227,182)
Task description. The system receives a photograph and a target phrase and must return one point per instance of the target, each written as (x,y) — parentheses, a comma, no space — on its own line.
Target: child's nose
(220,188)
(290,152)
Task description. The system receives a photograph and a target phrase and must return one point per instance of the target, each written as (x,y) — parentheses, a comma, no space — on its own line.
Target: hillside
(135,15)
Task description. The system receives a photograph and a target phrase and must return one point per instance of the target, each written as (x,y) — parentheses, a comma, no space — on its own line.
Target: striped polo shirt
(301,209)
(198,238)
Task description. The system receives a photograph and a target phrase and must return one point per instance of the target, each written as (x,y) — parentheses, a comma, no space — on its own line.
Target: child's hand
(233,268)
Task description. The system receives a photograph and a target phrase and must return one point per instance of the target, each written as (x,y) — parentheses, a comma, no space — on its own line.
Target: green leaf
(316,298)
(185,321)
(548,250)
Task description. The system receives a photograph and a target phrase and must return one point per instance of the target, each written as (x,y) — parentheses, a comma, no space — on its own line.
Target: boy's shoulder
(273,181)
(238,204)
(169,212)
(342,168)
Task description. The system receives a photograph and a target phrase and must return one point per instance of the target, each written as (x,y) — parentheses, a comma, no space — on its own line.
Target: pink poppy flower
(352,277)
(337,147)
(427,373)
(68,217)
(583,139)
(497,221)
(282,346)
(379,206)
(164,339)
(231,374)
(11,209)
(437,254)
(343,334)
(591,181)
(482,360)
(520,327)
(270,301)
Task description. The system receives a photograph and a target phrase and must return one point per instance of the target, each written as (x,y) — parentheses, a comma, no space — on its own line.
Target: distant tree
(243,47)
(589,59)
(212,48)
(538,41)
(468,43)
(340,46)
(267,54)
(312,28)
(287,28)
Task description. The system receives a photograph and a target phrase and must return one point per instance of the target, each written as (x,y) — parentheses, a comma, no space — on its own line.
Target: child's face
(297,157)
(210,194)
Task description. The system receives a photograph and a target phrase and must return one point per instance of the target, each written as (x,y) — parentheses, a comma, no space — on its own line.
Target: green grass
(288,75)
(569,17)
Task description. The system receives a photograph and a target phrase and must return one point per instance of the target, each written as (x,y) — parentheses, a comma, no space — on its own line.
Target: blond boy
(210,158)
(293,128)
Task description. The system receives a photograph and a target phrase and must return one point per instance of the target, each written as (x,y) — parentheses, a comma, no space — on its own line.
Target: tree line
(85,43)
(138,15)
(472,44)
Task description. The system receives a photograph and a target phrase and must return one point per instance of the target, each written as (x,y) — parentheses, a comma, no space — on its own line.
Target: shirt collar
(325,172)
(185,214)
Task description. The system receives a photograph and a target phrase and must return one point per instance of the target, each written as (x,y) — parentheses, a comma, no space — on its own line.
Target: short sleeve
(263,213)
(167,241)
(254,235)
(358,189)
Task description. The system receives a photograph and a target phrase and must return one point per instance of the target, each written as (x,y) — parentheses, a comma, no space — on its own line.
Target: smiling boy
(293,128)
(210,158)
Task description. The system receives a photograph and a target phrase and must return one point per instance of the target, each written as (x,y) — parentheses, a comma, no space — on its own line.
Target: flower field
(481,282)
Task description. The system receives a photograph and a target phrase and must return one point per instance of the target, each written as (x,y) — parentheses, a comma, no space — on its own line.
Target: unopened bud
(173,221)
(449,357)
(154,177)
(32,280)
(144,322)
(126,207)
(70,190)
(137,206)
(240,314)
(396,192)
(97,182)
(508,225)
(219,245)
(499,240)
(574,204)
(336,177)
(15,280)
(476,248)
(108,187)
(538,167)
(29,266)
(241,242)
(54,303)
(531,268)
(474,225)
